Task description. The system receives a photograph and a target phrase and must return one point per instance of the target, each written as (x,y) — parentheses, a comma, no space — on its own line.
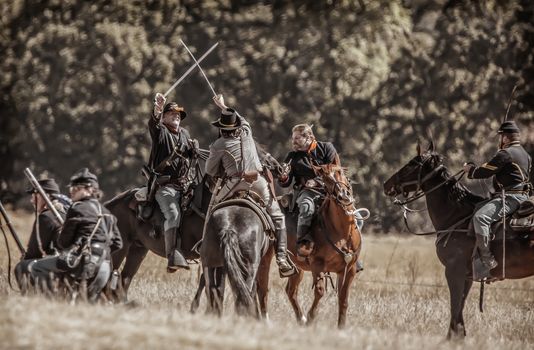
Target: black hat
(508,127)
(83,177)
(228,120)
(48,185)
(174,107)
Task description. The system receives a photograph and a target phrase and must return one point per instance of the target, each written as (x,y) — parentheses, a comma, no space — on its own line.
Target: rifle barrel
(39,189)
(12,229)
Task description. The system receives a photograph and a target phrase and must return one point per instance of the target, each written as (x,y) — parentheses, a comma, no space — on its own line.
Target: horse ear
(418,147)
(431,146)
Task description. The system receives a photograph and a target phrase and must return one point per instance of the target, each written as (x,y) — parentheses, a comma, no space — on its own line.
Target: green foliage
(372,76)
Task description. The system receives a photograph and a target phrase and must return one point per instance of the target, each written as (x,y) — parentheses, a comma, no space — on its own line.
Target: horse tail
(235,266)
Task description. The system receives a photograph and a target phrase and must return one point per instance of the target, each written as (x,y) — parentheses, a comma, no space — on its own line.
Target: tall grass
(407,307)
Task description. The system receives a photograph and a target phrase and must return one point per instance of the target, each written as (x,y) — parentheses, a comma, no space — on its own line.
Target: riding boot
(484,262)
(305,243)
(175,258)
(285,268)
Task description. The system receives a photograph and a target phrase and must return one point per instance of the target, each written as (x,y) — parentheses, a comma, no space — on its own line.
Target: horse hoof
(303,320)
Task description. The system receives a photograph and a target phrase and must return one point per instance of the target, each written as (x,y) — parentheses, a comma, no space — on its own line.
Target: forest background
(78,80)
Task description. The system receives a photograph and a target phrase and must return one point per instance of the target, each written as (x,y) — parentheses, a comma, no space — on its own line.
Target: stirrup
(288,273)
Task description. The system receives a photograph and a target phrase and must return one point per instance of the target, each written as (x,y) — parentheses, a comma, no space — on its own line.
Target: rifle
(12,230)
(39,189)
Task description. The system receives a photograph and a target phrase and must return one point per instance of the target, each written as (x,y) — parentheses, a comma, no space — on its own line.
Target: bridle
(337,194)
(419,192)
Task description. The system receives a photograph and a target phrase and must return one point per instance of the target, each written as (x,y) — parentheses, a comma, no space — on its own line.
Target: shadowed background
(78,80)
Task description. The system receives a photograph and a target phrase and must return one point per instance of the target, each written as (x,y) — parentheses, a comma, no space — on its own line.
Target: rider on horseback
(170,157)
(308,152)
(510,169)
(234,156)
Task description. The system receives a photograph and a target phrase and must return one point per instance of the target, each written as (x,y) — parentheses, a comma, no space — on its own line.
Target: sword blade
(199,67)
(193,66)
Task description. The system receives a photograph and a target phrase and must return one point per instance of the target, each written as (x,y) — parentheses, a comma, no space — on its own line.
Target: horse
(337,247)
(140,236)
(450,206)
(233,245)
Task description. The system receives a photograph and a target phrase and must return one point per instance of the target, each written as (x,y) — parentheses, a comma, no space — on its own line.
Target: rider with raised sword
(234,156)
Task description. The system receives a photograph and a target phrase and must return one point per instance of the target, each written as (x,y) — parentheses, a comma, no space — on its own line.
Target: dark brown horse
(450,206)
(139,237)
(337,247)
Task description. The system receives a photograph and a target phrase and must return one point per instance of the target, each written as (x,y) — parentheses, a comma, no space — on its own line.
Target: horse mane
(456,190)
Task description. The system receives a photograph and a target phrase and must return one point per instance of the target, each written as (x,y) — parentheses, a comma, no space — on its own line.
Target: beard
(299,146)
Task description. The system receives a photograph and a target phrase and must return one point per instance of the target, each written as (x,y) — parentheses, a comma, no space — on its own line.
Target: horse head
(415,173)
(336,183)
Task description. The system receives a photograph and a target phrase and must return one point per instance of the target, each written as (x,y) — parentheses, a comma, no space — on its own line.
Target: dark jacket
(320,153)
(80,222)
(510,166)
(163,144)
(49,229)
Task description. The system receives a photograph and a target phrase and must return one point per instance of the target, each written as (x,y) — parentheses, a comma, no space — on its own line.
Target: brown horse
(450,206)
(337,247)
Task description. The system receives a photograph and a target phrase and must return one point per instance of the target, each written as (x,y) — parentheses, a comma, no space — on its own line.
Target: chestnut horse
(337,247)
(450,206)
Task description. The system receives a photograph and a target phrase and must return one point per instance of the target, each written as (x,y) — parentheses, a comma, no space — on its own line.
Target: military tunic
(319,153)
(169,196)
(231,157)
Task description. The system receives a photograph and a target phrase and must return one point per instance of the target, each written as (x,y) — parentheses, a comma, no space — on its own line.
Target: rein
(419,192)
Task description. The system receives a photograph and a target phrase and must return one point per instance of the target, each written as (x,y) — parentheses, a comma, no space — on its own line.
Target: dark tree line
(78,80)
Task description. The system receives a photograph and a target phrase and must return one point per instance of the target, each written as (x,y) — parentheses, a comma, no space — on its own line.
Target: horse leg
(263,282)
(118,295)
(343,286)
(319,285)
(458,289)
(134,258)
(292,291)
(467,287)
(215,277)
(196,300)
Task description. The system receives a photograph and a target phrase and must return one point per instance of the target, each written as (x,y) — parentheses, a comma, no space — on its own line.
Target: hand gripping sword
(198,64)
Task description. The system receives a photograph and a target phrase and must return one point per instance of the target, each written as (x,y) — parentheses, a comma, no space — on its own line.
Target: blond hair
(304,129)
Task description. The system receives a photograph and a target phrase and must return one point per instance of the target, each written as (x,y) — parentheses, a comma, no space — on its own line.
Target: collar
(312,147)
(172,130)
(512,144)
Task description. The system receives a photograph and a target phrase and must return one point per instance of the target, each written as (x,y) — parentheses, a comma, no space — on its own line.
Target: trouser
(45,269)
(493,211)
(100,281)
(261,187)
(23,273)
(169,200)
(306,202)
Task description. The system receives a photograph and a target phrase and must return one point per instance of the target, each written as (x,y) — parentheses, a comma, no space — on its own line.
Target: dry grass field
(399,302)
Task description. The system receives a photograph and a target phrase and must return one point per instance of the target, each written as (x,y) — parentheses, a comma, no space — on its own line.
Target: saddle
(145,208)
(519,225)
(255,202)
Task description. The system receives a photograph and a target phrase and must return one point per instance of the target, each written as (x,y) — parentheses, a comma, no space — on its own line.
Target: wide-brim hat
(48,185)
(174,107)
(83,177)
(508,127)
(228,120)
